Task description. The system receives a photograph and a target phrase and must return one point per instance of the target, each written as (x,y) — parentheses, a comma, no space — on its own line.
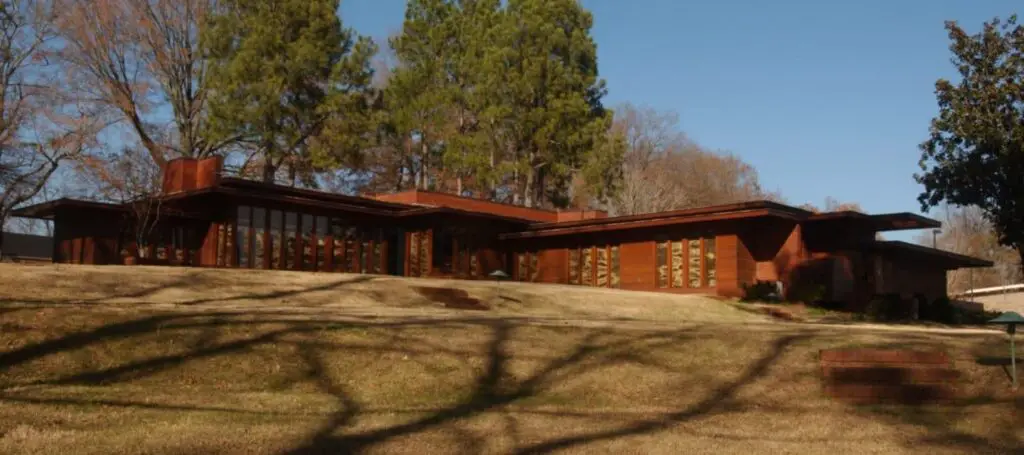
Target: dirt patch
(452,298)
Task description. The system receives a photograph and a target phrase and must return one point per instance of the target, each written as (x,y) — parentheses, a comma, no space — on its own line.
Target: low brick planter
(888,376)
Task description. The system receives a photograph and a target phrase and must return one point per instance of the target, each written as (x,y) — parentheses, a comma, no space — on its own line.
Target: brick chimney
(186,174)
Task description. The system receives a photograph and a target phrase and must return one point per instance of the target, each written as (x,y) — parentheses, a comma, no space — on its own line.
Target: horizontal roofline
(313,194)
(622,223)
(374,196)
(45,210)
(714,209)
(960,260)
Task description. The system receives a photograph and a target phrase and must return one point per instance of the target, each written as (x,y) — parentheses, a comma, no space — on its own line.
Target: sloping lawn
(156,365)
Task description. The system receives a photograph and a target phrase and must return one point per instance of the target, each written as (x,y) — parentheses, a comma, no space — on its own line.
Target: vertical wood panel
(637,262)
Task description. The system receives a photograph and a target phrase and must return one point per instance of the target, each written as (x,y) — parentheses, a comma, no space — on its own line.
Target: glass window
(351,239)
(587,267)
(523,261)
(275,244)
(574,266)
(693,271)
(321,234)
(162,239)
(414,254)
(337,231)
(364,253)
(661,263)
(259,247)
(602,266)
(376,260)
(678,265)
(710,277)
(308,247)
(242,222)
(615,266)
(291,227)
(425,253)
(534,267)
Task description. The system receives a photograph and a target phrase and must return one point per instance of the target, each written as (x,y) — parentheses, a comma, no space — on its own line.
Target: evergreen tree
(287,77)
(975,154)
(551,114)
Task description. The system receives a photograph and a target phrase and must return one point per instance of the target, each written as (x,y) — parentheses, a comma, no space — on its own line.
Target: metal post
(1013,362)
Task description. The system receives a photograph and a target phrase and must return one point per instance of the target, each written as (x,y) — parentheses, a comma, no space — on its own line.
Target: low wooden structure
(868,376)
(210,219)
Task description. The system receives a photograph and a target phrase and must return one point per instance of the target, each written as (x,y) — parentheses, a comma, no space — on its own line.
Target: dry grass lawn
(157,360)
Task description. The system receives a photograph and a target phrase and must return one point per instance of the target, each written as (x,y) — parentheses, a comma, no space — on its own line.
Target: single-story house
(209,218)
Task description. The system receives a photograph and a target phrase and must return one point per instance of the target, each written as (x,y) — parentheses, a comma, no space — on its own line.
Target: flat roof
(45,210)
(881,222)
(740,211)
(946,259)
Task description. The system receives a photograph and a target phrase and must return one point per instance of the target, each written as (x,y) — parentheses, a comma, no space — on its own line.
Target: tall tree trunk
(528,196)
(268,172)
(424,162)
(269,169)
(516,189)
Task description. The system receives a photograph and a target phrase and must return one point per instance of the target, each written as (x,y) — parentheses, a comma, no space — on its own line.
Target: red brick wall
(184,174)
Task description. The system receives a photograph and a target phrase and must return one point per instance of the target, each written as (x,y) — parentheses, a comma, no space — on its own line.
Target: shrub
(888,308)
(808,293)
(761,291)
(940,310)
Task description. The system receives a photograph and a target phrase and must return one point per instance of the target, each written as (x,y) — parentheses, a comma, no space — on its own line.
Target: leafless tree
(833,205)
(965,231)
(131,57)
(664,170)
(39,126)
(132,179)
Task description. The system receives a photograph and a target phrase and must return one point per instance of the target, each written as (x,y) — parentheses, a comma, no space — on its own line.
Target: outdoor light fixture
(498,275)
(1011,319)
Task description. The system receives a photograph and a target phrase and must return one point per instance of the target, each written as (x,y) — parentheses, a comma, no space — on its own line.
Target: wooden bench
(865,376)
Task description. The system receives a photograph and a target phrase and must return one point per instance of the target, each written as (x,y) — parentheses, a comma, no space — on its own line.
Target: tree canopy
(290,80)
(974,155)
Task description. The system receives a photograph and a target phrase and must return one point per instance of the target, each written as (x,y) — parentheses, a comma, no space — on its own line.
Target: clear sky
(824,98)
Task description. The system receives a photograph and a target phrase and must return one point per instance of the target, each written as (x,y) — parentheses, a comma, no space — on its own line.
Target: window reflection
(274,245)
(291,226)
(259,223)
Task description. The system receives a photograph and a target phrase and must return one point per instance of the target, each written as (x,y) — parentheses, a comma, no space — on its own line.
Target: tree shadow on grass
(495,390)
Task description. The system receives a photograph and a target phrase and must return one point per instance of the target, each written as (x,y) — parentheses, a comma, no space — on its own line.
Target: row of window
(441,251)
(686,263)
(588,266)
(594,266)
(292,241)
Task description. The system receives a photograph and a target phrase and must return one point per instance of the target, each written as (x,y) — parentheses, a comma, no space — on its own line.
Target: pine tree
(290,79)
(552,120)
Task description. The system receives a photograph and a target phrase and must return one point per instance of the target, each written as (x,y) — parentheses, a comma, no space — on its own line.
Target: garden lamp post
(499,275)
(1011,319)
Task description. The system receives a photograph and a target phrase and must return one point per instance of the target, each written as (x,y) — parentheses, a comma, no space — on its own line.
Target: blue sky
(824,98)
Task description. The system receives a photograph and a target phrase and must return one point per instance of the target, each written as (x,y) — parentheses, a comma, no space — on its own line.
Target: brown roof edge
(45,210)
(468,198)
(615,224)
(962,261)
(882,222)
(420,211)
(725,208)
(312,194)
